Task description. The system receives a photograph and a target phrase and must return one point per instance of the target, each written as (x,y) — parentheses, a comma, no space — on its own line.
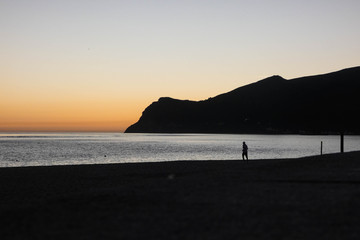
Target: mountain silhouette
(320,104)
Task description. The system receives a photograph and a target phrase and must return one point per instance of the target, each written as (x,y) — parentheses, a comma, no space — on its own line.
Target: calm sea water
(99,148)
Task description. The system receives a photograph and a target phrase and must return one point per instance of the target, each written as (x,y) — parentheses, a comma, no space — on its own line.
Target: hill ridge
(325,103)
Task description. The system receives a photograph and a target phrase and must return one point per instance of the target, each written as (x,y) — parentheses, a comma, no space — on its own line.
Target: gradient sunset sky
(76,65)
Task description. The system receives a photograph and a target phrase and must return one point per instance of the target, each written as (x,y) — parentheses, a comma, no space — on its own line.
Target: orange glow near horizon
(65,127)
(68,116)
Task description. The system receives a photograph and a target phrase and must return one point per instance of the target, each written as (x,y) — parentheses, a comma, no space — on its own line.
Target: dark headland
(307,198)
(320,104)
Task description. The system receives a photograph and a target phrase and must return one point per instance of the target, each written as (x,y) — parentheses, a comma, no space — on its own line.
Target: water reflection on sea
(97,148)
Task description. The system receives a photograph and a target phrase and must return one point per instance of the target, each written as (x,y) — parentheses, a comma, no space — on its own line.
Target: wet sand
(307,198)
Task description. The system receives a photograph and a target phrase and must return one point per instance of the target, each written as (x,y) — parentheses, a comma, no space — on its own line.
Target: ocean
(46,149)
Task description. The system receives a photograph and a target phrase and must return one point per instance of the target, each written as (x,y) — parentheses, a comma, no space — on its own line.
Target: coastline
(307,198)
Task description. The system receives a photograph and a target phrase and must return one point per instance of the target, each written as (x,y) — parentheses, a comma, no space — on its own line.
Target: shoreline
(181,161)
(306,198)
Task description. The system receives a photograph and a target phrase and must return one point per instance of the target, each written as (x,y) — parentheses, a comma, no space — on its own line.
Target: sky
(95,65)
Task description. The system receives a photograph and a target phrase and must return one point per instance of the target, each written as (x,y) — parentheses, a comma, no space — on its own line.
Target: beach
(314,197)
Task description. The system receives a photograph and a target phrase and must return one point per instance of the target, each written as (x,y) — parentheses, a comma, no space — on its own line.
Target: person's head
(244,143)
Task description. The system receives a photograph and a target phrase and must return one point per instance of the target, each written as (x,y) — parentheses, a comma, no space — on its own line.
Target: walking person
(245,152)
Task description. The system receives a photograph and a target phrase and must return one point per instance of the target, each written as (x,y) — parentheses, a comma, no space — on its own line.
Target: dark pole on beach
(321,148)
(342,142)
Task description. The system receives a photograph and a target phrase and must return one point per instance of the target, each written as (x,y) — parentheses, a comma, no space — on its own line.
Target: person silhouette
(245,152)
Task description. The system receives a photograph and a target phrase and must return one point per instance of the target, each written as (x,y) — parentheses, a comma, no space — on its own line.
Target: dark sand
(308,198)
